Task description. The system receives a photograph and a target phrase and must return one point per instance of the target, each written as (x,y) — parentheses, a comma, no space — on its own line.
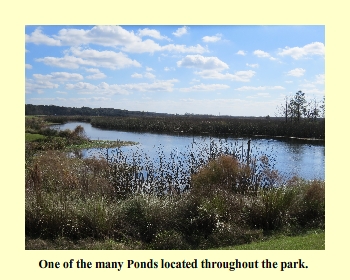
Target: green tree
(298,106)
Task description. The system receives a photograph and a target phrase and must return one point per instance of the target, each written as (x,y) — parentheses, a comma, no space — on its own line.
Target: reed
(212,194)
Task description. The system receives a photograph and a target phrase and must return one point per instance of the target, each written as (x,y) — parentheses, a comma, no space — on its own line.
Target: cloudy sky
(226,70)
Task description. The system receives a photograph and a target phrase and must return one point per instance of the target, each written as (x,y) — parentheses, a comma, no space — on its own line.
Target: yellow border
(21,264)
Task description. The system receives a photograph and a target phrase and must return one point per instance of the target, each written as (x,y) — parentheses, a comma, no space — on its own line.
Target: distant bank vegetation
(202,125)
(297,117)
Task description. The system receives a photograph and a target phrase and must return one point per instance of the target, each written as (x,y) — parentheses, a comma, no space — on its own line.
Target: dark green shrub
(270,209)
(310,210)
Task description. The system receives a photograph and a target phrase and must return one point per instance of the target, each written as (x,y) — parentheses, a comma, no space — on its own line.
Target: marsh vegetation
(222,198)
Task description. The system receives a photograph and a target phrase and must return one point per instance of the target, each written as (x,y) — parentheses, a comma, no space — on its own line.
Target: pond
(290,157)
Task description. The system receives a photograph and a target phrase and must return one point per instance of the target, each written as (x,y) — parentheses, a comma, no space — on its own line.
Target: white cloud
(246,88)
(308,85)
(104,35)
(151,33)
(28,66)
(168,69)
(289,82)
(297,72)
(181,31)
(142,46)
(193,81)
(90,57)
(136,75)
(320,79)
(253,65)
(263,94)
(108,59)
(37,38)
(240,52)
(42,82)
(165,85)
(103,88)
(239,76)
(191,100)
(260,53)
(204,87)
(92,70)
(212,39)
(59,77)
(315,48)
(39,85)
(81,86)
(198,61)
(96,76)
(112,36)
(312,90)
(43,100)
(70,62)
(61,92)
(184,49)
(107,89)
(76,102)
(90,99)
(149,69)
(315,86)
(149,75)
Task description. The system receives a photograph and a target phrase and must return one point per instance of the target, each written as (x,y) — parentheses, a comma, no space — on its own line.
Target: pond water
(289,157)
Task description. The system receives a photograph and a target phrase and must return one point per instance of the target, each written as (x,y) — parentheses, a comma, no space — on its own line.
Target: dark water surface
(305,159)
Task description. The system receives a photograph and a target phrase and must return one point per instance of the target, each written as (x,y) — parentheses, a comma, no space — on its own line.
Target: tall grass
(217,198)
(197,125)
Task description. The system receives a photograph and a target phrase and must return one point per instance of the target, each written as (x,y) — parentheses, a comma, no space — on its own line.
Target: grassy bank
(39,137)
(70,200)
(313,240)
(101,203)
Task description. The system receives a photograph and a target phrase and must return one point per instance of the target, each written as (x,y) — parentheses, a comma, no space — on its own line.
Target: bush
(270,210)
(310,210)
(77,198)
(224,172)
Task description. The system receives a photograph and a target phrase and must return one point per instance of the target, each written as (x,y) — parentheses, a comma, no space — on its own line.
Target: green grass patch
(33,137)
(100,144)
(311,241)
(83,244)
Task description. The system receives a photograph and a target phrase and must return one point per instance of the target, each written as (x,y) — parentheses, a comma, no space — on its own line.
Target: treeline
(52,110)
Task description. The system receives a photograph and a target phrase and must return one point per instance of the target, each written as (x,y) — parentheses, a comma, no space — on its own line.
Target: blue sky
(215,69)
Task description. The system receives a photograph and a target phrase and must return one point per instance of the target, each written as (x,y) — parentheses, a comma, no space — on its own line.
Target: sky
(198,69)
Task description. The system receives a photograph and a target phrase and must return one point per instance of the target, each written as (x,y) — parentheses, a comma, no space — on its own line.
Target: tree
(323,108)
(298,106)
